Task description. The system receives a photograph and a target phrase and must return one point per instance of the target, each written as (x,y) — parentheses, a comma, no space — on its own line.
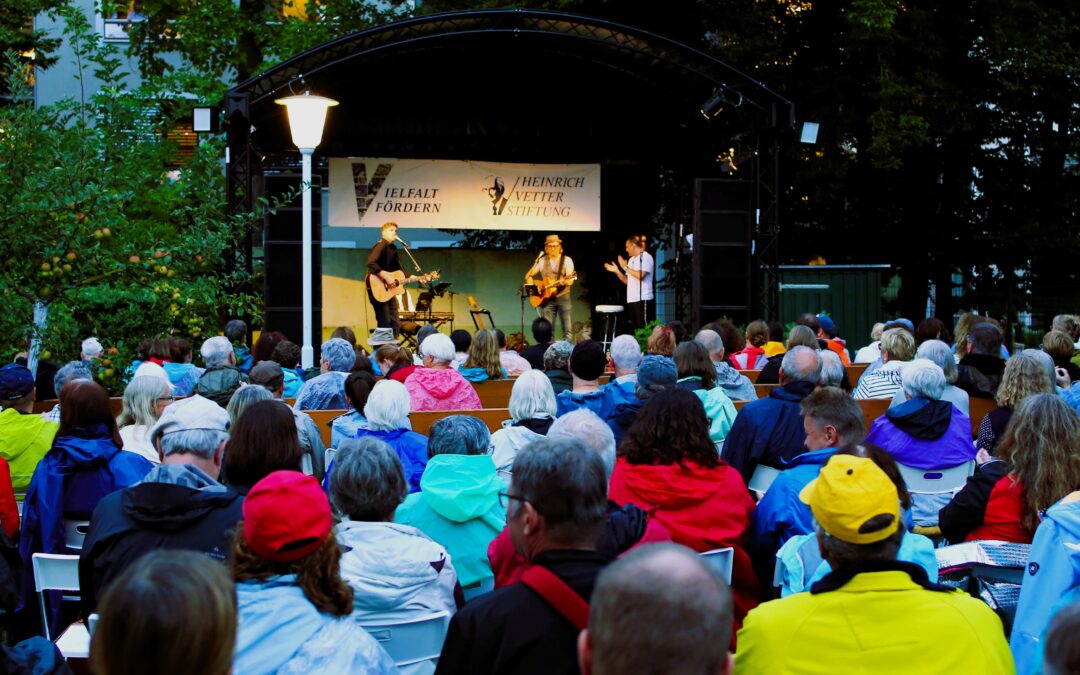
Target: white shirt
(640,289)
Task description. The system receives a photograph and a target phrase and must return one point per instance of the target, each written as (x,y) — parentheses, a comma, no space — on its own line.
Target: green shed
(850,294)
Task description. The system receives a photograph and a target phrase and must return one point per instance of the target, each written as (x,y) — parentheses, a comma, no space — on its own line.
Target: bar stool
(611,322)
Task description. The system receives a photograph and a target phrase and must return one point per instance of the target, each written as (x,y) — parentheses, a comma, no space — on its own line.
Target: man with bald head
(661,610)
(770,430)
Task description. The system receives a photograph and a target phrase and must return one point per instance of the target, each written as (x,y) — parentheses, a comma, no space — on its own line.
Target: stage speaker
(722,250)
(283,260)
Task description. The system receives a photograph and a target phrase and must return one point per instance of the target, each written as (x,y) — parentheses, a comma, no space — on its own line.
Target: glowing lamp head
(307,117)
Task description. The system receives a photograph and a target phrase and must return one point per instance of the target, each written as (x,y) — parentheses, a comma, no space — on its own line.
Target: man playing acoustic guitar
(556,272)
(382,263)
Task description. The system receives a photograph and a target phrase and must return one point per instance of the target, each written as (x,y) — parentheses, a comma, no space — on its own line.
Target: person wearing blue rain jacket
(458,503)
(1052,581)
(831,420)
(84,464)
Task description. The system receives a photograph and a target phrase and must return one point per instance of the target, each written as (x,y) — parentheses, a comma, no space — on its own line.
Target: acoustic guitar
(384,292)
(549,289)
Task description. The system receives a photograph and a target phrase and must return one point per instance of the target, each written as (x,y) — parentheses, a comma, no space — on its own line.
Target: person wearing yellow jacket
(872,613)
(24,436)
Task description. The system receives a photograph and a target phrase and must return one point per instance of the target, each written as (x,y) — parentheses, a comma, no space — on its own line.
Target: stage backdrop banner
(455,195)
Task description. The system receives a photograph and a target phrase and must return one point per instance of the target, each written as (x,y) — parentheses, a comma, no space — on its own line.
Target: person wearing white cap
(179,505)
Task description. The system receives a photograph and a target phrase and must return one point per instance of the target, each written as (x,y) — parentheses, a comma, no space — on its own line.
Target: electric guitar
(549,289)
(384,292)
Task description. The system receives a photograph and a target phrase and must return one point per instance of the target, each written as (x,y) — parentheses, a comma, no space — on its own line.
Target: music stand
(526,291)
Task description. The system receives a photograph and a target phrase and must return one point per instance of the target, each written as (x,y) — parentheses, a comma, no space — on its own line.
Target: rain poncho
(325,392)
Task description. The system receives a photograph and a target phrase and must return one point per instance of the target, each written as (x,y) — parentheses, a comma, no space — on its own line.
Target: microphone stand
(409,253)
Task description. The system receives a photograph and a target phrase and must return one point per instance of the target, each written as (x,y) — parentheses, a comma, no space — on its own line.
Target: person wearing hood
(85,463)
(557,364)
(458,503)
(737,386)
(831,420)
(437,386)
(396,571)
(697,374)
(387,413)
(358,386)
(925,432)
(668,465)
(656,373)
(1052,582)
(587,364)
(182,373)
(1040,449)
(625,526)
(532,410)
(771,430)
(326,391)
(295,610)
(179,505)
(24,436)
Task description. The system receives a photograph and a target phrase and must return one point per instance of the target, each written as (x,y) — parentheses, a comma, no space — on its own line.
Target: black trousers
(637,314)
(386,313)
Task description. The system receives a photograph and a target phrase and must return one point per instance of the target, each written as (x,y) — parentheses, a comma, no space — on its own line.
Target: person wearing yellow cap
(872,613)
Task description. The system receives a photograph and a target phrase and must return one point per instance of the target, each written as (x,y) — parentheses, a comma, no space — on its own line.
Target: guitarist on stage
(556,275)
(381,262)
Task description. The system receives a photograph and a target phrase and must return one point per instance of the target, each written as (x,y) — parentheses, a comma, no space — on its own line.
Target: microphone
(397,238)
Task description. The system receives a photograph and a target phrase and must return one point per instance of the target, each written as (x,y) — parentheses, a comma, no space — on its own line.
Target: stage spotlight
(714,106)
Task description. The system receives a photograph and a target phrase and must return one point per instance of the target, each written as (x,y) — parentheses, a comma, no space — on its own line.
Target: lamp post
(307,116)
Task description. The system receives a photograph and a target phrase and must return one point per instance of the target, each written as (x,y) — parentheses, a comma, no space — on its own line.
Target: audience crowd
(735,500)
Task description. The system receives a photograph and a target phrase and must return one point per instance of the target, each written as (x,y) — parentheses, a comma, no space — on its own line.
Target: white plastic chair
(328,456)
(723,559)
(413,643)
(54,572)
(936,481)
(75,533)
(478,589)
(763,477)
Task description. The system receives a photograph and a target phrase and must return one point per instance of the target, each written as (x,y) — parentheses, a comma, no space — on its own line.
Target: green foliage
(643,334)
(103,226)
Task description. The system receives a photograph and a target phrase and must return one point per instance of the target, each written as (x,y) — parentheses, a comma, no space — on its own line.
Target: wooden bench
(854,372)
(494,393)
(421,421)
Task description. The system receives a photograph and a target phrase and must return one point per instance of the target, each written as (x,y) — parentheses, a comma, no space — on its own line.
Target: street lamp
(307,116)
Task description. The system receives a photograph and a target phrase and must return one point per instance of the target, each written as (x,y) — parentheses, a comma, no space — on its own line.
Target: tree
(105,234)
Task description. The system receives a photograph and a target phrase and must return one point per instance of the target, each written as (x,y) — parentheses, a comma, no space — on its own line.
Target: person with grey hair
(737,386)
(221,378)
(387,413)
(438,386)
(179,505)
(458,505)
(654,374)
(625,526)
(940,353)
(660,585)
(770,431)
(327,390)
(145,399)
(925,433)
(556,505)
(872,613)
(556,366)
(396,570)
(832,370)
(72,370)
(91,349)
(243,399)
(532,410)
(625,358)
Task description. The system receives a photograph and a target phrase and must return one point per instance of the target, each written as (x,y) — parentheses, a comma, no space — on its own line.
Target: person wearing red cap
(294,607)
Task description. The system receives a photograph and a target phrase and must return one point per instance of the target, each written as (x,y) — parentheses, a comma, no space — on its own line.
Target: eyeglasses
(505,498)
(167,398)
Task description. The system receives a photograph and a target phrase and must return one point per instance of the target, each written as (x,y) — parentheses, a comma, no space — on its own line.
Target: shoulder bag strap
(556,593)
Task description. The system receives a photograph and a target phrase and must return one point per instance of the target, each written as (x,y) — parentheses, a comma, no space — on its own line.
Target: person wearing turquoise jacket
(1052,581)
(697,374)
(458,503)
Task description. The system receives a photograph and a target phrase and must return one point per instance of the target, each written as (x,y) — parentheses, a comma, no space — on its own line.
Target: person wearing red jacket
(668,466)
(9,510)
